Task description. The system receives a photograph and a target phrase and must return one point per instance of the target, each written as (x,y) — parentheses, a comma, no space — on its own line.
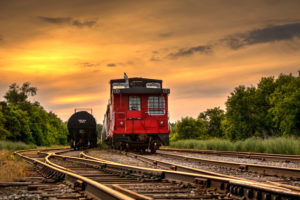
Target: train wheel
(154,147)
(153,150)
(127,147)
(142,150)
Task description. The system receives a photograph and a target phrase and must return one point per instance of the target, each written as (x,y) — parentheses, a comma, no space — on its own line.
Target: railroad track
(291,173)
(259,156)
(108,180)
(182,167)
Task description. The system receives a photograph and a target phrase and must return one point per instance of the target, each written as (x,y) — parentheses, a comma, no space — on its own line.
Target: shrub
(276,145)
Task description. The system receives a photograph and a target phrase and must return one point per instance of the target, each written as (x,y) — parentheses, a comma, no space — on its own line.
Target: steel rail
(93,188)
(259,156)
(237,187)
(177,167)
(292,173)
(246,189)
(165,165)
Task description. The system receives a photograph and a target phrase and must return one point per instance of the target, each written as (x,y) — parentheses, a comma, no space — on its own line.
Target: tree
(189,128)
(17,94)
(240,116)
(265,125)
(17,123)
(99,129)
(3,132)
(285,102)
(213,118)
(21,120)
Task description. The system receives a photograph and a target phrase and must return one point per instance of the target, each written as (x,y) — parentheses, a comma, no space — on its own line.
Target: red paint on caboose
(137,114)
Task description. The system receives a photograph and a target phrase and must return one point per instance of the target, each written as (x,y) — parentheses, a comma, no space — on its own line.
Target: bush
(15,145)
(276,145)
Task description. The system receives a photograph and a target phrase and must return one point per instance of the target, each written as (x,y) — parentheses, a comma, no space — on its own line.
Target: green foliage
(265,125)
(3,132)
(241,113)
(17,94)
(189,128)
(270,109)
(277,145)
(99,129)
(17,122)
(213,118)
(21,120)
(9,145)
(285,103)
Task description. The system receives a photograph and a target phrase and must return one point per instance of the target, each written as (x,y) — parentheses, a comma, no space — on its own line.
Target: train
(82,129)
(137,117)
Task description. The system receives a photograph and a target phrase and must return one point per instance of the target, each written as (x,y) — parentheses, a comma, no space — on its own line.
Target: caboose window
(134,103)
(153,85)
(156,105)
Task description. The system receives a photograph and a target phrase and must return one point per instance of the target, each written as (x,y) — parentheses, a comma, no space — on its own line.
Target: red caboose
(137,114)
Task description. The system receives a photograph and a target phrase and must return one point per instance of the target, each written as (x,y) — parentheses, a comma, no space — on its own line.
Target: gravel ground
(234,159)
(36,188)
(120,158)
(72,153)
(231,172)
(117,157)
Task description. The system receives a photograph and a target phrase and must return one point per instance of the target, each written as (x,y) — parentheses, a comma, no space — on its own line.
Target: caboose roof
(136,79)
(138,88)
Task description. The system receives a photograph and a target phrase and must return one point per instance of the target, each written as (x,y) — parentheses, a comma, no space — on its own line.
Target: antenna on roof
(126,80)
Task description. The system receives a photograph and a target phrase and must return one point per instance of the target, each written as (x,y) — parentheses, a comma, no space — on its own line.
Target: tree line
(272,108)
(22,120)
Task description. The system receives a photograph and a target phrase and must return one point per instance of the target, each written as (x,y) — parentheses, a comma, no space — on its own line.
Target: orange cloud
(201,50)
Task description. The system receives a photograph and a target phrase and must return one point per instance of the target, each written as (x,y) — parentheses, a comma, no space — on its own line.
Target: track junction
(103,179)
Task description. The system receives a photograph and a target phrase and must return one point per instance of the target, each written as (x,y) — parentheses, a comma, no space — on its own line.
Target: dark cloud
(268,34)
(84,23)
(67,21)
(189,51)
(88,65)
(154,59)
(111,65)
(56,20)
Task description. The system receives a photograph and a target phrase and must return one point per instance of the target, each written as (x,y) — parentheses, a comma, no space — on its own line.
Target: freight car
(82,128)
(137,115)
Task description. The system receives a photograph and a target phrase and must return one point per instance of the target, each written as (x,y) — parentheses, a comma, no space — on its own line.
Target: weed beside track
(11,167)
(276,145)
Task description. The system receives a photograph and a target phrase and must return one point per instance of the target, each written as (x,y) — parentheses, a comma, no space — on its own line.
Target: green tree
(17,123)
(262,105)
(213,118)
(21,120)
(240,117)
(3,132)
(285,101)
(99,129)
(17,94)
(189,128)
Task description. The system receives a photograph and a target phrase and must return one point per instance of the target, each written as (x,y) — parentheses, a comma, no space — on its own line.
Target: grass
(12,168)
(9,145)
(276,145)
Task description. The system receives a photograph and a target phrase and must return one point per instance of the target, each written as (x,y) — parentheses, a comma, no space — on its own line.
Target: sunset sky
(201,49)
